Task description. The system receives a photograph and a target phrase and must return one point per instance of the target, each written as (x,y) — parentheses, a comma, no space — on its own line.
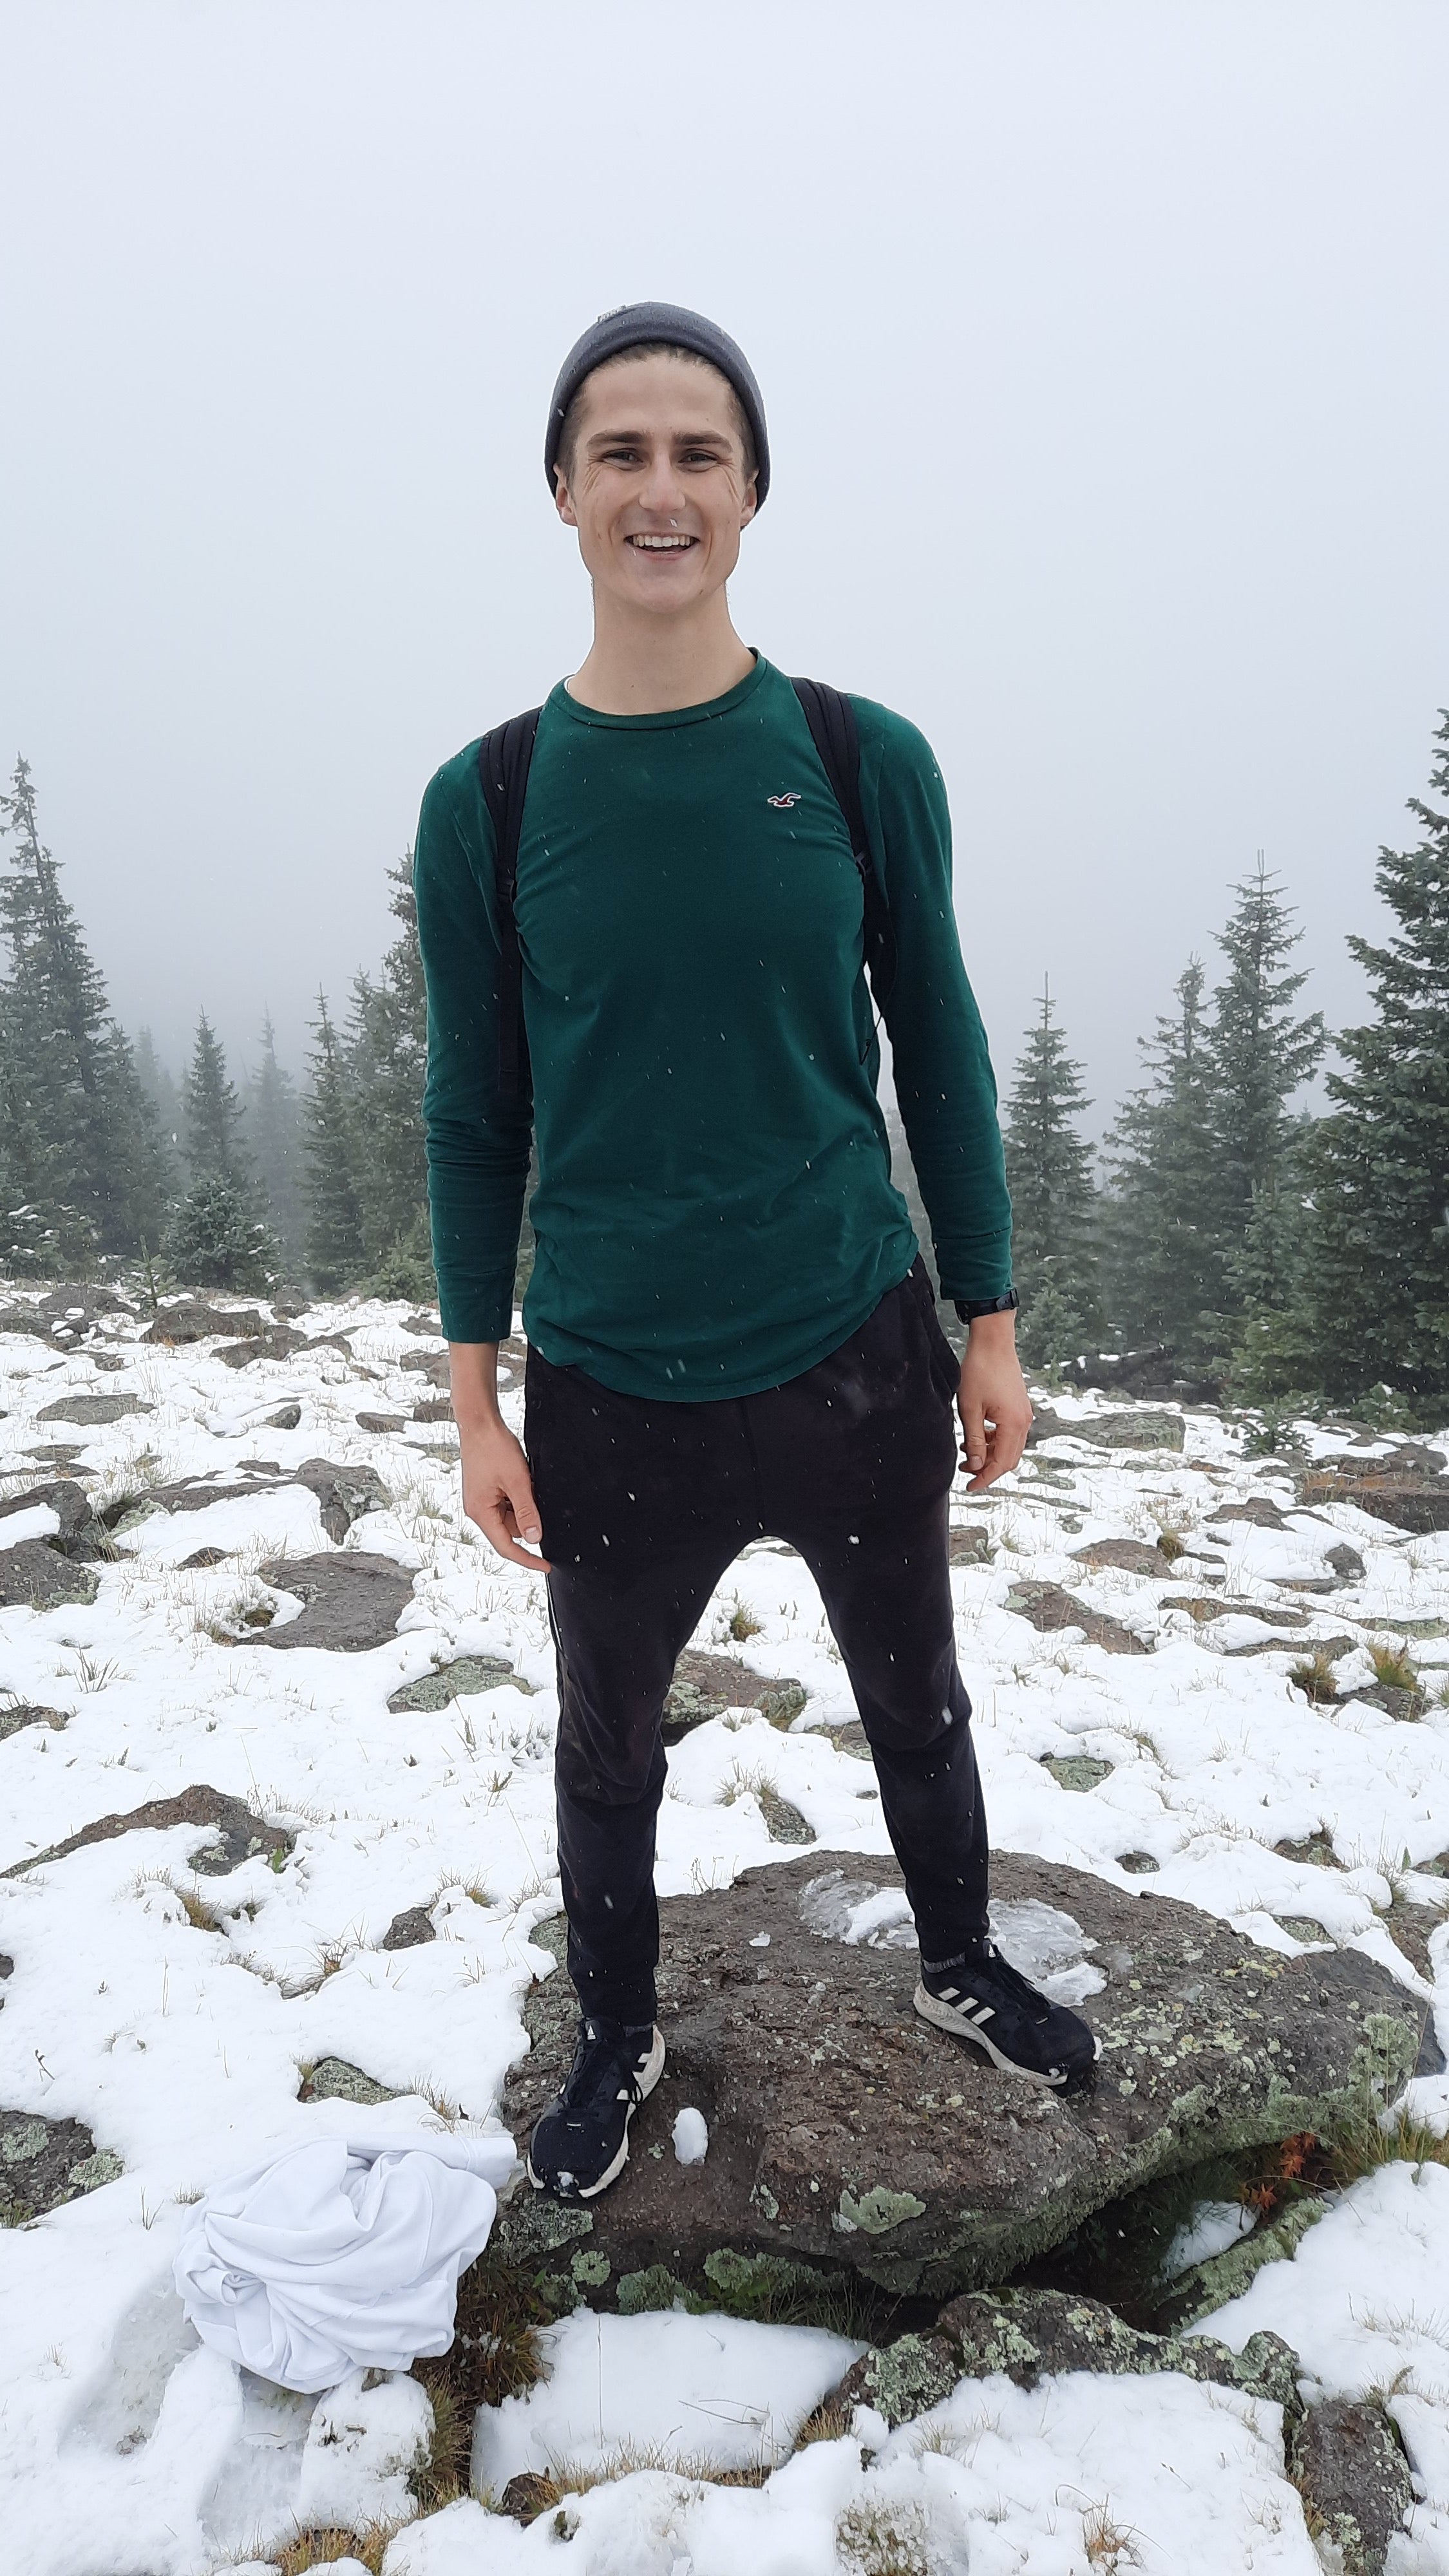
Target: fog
(1104,352)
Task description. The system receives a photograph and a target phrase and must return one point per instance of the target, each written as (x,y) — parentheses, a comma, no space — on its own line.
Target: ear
(561,501)
(749,505)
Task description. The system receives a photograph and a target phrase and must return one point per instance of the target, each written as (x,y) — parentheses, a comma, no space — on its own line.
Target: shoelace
(1019,1987)
(594,2075)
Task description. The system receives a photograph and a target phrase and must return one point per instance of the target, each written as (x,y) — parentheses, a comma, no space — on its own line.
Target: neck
(644,665)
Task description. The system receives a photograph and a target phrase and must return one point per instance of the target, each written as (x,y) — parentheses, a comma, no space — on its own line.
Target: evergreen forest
(1266,1218)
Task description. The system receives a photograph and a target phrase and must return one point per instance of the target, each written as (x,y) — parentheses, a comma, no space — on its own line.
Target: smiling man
(645,916)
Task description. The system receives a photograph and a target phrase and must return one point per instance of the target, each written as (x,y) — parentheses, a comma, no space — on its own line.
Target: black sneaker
(581,2144)
(993,2005)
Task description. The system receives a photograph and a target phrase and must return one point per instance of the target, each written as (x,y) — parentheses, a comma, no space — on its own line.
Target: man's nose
(663,488)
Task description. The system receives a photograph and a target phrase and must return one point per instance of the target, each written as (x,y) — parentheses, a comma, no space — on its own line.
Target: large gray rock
(1418,1501)
(193,1320)
(1048,1607)
(92,1408)
(1347,2464)
(80,1535)
(1144,1428)
(38,1577)
(343,1493)
(227,1831)
(844,2132)
(704,1686)
(353,1601)
(1126,1555)
(1032,2334)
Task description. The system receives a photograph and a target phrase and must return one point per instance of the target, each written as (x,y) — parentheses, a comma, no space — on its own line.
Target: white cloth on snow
(341,2254)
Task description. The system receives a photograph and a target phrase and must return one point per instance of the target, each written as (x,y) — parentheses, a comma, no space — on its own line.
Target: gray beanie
(633,326)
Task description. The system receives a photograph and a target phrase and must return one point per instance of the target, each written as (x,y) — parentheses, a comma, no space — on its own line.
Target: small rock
(1141,1429)
(287,1417)
(274,1342)
(969,1546)
(1256,1509)
(353,1601)
(1048,1608)
(192,1320)
(344,1493)
(1138,1864)
(1128,1555)
(1317,1850)
(434,1408)
(409,1931)
(34,1576)
(333,2080)
(1346,1562)
(902,2380)
(1406,1705)
(380,1422)
(202,1557)
(1346,2461)
(1304,1927)
(1077,1771)
(92,1408)
(45,2163)
(24,1713)
(433,1365)
(783,1823)
(467,1675)
(704,1686)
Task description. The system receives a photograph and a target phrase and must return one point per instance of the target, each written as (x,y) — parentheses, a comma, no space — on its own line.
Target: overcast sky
(1104,350)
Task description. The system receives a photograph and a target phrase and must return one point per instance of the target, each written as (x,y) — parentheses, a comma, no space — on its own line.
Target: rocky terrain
(275,1737)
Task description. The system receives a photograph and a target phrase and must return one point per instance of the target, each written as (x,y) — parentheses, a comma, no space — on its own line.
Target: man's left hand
(994,1404)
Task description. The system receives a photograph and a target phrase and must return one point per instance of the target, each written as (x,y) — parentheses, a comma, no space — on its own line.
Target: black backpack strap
(504,756)
(831,718)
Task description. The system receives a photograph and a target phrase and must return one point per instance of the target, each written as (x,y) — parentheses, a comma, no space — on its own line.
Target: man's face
(656,484)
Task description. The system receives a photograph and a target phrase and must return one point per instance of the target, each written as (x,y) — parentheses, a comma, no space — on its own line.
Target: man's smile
(661,545)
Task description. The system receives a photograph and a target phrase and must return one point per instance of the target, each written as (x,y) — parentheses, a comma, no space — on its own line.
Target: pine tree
(216,1238)
(1259,1055)
(336,1248)
(212,1114)
(1371,1295)
(1053,1199)
(1164,1250)
(274,1130)
(387,1054)
(86,1135)
(160,1087)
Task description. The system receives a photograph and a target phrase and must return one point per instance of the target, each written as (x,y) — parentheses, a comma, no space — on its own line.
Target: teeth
(661,543)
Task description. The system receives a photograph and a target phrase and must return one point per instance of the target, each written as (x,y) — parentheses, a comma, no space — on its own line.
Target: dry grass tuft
(538,2491)
(1314,1678)
(743,1624)
(494,2354)
(324,2545)
(830,2423)
(1107,2545)
(1393,1668)
(1364,2144)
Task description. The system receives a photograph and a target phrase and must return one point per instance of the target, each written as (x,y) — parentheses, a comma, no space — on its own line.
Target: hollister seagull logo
(791,798)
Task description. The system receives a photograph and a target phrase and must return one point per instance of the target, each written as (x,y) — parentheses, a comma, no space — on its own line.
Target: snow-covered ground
(127,2450)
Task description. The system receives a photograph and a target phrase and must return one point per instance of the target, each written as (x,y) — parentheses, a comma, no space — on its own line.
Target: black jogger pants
(645,1504)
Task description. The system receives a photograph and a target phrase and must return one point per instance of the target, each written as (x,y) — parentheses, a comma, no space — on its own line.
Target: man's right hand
(497,1487)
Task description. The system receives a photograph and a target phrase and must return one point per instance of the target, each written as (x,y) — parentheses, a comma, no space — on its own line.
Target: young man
(730,1330)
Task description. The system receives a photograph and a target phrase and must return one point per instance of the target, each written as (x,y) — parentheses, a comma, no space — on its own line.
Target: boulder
(274,1342)
(36,1577)
(1257,1509)
(344,1493)
(92,1408)
(408,1931)
(847,2134)
(1078,1772)
(381,1422)
(67,1314)
(1347,2463)
(45,2163)
(1048,1608)
(232,1833)
(353,1601)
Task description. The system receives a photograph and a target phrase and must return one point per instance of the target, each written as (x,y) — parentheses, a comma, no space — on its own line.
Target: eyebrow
(600,438)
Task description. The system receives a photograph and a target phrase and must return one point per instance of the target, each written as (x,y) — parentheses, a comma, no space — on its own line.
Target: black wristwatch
(968,1308)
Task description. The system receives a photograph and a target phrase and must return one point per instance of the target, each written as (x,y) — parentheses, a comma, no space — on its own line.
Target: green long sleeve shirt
(714,1210)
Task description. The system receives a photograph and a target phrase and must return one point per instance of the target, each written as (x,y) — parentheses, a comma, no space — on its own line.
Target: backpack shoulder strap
(831,718)
(504,758)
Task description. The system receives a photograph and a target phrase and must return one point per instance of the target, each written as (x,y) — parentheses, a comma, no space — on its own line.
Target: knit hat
(632,326)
